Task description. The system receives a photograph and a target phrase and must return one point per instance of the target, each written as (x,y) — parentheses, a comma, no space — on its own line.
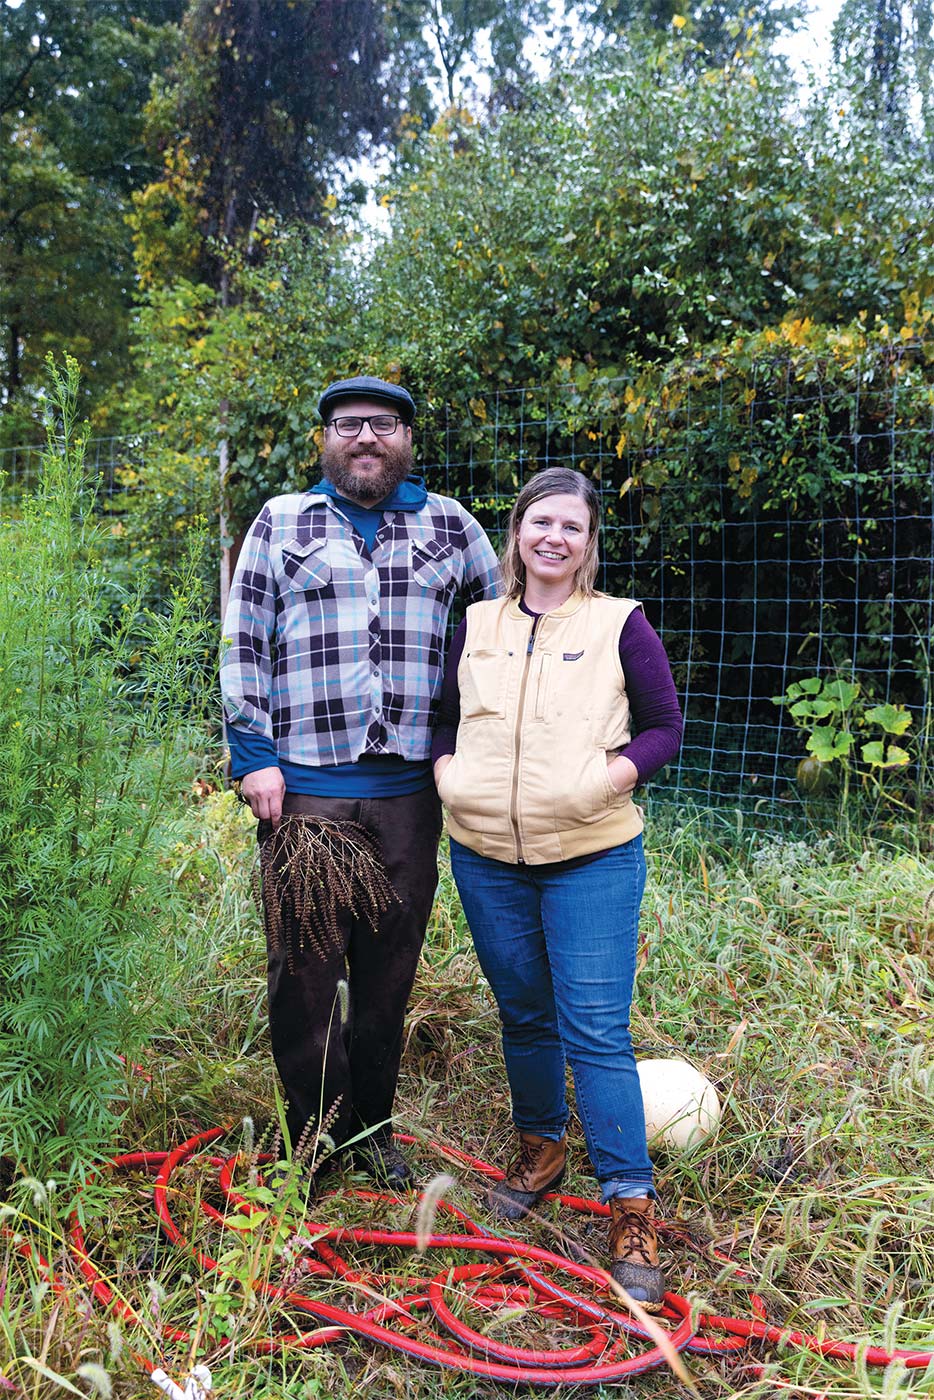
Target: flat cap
(364,386)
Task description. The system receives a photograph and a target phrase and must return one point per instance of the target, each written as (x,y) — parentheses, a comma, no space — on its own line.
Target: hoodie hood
(410,494)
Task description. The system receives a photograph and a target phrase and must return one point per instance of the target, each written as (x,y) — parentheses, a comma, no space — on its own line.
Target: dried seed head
(311,871)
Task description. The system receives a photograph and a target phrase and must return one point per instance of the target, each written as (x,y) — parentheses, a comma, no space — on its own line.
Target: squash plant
(847,734)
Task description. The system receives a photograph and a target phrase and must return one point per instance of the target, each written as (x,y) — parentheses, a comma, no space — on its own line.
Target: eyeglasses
(382,424)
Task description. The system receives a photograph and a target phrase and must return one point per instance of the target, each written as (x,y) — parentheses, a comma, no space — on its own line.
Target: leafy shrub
(97,719)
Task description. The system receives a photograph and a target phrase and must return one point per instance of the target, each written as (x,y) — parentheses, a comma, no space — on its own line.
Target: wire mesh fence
(783,532)
(113,465)
(143,521)
(778,533)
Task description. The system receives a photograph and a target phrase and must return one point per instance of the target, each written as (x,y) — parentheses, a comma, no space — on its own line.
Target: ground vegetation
(794,969)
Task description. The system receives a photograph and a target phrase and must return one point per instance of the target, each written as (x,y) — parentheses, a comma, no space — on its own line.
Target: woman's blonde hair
(553,481)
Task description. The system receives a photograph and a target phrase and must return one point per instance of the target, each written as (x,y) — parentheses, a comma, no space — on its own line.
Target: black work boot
(537,1167)
(379,1156)
(634,1250)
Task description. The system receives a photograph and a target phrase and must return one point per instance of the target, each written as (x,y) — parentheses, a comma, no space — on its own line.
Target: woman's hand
(623,774)
(440,765)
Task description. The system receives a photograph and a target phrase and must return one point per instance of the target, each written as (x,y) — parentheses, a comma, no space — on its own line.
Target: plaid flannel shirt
(332,653)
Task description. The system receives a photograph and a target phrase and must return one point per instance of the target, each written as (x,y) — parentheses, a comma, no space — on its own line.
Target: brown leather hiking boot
(634,1250)
(537,1167)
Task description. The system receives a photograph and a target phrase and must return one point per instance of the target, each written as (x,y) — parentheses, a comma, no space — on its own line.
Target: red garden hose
(414,1317)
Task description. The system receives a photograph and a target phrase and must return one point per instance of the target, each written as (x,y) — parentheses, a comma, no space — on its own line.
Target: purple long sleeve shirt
(653,702)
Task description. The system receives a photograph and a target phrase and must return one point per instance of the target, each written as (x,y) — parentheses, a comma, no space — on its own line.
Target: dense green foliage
(632,222)
(630,212)
(194,120)
(885,52)
(668,186)
(98,703)
(243,129)
(74,77)
(719,31)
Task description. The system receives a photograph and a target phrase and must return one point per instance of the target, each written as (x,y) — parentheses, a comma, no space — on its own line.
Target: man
(334,647)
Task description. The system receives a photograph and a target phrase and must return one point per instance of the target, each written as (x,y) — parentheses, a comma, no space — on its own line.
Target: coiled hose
(414,1317)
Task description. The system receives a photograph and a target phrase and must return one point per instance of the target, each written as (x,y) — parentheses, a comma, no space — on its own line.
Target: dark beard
(338,467)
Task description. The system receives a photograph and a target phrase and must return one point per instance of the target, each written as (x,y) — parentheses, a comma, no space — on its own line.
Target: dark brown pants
(355,1065)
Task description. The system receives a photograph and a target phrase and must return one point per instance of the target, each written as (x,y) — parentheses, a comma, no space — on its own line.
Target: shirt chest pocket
(306,566)
(433,564)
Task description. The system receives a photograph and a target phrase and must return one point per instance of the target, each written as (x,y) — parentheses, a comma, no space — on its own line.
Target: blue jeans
(559,951)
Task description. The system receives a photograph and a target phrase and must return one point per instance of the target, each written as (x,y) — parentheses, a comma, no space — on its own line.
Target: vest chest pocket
(433,564)
(482,679)
(306,566)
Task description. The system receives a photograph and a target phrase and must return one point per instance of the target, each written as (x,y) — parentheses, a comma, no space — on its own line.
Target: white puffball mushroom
(682,1109)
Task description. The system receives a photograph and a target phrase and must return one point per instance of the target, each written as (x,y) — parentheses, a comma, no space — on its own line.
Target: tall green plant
(96,718)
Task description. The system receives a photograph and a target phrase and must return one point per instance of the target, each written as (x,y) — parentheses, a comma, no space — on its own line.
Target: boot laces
(634,1238)
(524,1164)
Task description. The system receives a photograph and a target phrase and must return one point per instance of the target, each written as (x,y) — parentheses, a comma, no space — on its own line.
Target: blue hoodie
(410,494)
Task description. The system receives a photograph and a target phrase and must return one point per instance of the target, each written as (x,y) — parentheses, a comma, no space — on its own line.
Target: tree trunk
(223,513)
(13,378)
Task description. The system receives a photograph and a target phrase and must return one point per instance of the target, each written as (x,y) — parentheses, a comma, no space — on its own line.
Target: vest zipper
(514,797)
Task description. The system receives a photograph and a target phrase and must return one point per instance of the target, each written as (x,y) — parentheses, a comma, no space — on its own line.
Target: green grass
(797,973)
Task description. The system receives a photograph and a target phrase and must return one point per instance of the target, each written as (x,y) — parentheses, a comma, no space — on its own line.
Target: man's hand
(263,792)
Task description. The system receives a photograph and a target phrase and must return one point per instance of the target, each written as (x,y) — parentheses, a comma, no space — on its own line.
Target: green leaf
(878,756)
(827,743)
(844,692)
(874,753)
(815,709)
(263,1195)
(246,1222)
(894,719)
(809,686)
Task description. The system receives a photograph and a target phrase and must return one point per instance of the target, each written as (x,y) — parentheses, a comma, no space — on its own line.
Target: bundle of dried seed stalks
(312,870)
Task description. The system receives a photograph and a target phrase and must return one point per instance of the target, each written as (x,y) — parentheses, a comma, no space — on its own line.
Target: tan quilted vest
(543,706)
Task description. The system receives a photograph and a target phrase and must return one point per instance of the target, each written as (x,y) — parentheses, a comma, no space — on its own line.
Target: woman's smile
(553,538)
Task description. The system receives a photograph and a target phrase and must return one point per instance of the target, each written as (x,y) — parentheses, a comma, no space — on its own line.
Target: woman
(536,762)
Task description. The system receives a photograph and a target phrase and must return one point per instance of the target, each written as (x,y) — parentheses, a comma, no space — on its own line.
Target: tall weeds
(99,702)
